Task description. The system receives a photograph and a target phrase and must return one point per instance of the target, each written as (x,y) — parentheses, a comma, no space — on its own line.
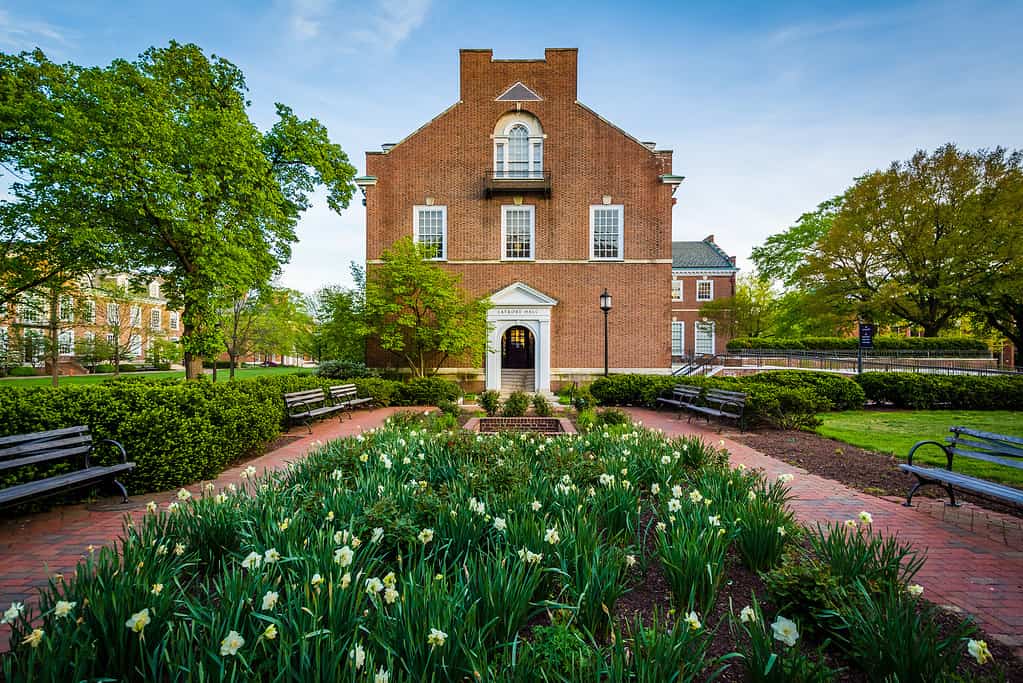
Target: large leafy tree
(160,152)
(784,254)
(340,329)
(750,312)
(419,312)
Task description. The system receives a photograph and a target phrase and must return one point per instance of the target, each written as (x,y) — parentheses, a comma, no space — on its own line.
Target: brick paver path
(964,571)
(34,547)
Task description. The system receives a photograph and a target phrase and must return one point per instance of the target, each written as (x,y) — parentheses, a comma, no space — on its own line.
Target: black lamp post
(605,305)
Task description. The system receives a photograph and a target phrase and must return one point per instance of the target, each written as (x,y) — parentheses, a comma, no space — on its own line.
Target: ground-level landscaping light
(605,305)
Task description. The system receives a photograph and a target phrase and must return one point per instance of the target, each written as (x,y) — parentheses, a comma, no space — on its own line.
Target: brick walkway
(34,547)
(964,571)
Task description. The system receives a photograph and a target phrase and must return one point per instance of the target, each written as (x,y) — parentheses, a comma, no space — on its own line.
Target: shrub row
(181,432)
(882,343)
(925,391)
(784,398)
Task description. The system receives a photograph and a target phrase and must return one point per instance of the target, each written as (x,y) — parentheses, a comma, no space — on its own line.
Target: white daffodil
(747,615)
(34,638)
(693,621)
(630,560)
(230,645)
(500,524)
(390,595)
(382,676)
(551,536)
(283,526)
(425,536)
(252,561)
(714,520)
(179,549)
(781,531)
(151,506)
(674,505)
(915,589)
(270,600)
(374,585)
(183,494)
(536,506)
(866,518)
(695,496)
(63,608)
(378,533)
(661,526)
(172,507)
(138,621)
(161,550)
(270,633)
(850,524)
(344,556)
(316,581)
(271,556)
(156,589)
(786,478)
(358,656)
(978,650)
(665,459)
(785,631)
(436,638)
(346,580)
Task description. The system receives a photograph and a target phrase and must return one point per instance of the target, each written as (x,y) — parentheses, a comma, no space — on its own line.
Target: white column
(543,356)
(493,369)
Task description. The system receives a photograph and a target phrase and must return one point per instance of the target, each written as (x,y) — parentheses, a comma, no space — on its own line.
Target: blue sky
(770,107)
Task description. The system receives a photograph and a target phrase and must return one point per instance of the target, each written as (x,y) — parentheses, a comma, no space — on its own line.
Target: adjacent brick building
(700,272)
(541,204)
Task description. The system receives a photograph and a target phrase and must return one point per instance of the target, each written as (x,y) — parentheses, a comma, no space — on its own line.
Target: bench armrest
(943,447)
(124,453)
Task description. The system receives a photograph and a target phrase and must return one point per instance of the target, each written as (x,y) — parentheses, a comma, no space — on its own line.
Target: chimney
(387,146)
(650,145)
(709,238)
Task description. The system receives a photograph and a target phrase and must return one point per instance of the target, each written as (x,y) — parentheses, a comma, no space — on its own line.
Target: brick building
(538,203)
(700,272)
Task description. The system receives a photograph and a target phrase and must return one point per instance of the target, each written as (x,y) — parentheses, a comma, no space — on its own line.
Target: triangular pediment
(518,294)
(518,93)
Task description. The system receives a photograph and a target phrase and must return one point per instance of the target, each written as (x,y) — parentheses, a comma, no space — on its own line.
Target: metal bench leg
(124,491)
(912,492)
(952,496)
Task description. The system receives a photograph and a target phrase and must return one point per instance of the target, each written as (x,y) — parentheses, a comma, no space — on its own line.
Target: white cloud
(392,22)
(381,24)
(19,33)
(794,33)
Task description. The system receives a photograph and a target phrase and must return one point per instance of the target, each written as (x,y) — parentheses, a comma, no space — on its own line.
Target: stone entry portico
(520,305)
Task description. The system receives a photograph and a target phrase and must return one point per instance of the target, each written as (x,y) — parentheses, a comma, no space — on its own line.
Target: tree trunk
(234,364)
(193,365)
(214,369)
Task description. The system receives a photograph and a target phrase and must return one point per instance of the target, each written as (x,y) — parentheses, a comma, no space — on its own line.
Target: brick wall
(687,310)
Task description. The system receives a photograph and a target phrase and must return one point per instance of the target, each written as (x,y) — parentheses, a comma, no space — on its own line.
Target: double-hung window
(113,314)
(704,339)
(678,330)
(172,320)
(136,316)
(32,309)
(704,290)
(67,309)
(606,233)
(430,229)
(518,232)
(676,290)
(66,343)
(154,318)
(90,311)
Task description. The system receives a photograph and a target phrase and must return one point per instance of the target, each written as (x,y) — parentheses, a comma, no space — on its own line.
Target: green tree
(418,311)
(162,154)
(750,312)
(339,332)
(282,320)
(785,254)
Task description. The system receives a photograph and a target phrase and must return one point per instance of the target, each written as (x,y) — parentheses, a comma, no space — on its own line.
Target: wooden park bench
(346,396)
(43,448)
(999,449)
(306,406)
(709,403)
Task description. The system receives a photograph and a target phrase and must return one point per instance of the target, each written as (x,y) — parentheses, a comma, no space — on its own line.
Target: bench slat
(967,483)
(988,457)
(988,435)
(43,436)
(44,457)
(981,446)
(61,481)
(46,445)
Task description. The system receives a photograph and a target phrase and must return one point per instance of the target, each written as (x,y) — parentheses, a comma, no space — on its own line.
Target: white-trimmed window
(518,232)
(172,320)
(676,290)
(606,232)
(67,309)
(154,289)
(678,332)
(154,318)
(4,343)
(704,290)
(66,343)
(704,341)
(518,147)
(33,346)
(135,347)
(430,229)
(90,311)
(31,309)
(110,338)
(136,316)
(113,314)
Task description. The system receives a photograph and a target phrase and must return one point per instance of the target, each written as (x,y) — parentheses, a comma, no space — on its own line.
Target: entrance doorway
(517,349)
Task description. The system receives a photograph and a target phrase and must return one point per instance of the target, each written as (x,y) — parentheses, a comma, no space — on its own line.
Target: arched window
(518,147)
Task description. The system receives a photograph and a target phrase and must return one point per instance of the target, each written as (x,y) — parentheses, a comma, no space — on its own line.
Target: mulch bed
(868,471)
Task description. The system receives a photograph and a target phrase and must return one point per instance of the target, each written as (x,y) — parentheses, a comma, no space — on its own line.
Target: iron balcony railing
(517,182)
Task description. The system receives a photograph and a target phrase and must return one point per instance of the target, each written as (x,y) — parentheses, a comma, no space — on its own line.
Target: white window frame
(114,319)
(680,325)
(677,284)
(66,309)
(443,256)
(32,309)
(154,290)
(620,208)
(534,137)
(135,316)
(710,284)
(90,311)
(505,208)
(172,320)
(155,319)
(696,336)
(66,339)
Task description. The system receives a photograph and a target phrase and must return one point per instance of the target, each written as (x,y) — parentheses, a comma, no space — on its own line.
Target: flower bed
(415,554)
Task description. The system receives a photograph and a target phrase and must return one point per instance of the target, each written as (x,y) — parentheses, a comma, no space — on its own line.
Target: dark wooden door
(517,348)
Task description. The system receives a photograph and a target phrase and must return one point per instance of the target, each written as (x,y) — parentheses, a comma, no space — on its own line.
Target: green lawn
(92,379)
(896,431)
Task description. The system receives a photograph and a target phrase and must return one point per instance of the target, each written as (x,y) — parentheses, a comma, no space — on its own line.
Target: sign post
(866,342)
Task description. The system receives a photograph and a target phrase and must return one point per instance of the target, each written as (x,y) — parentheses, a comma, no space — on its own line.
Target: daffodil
(138,621)
(500,524)
(786,478)
(866,518)
(34,638)
(151,506)
(271,556)
(693,621)
(674,505)
(781,531)
(316,580)
(230,645)
(358,656)
(374,585)
(425,536)
(283,526)
(179,549)
(436,638)
(270,633)
(156,589)
(535,505)
(183,494)
(390,595)
(785,631)
(343,556)
(551,536)
(850,524)
(714,520)
(63,608)
(915,589)
(747,615)
(978,649)
(346,581)
(252,561)
(382,676)
(378,533)
(270,600)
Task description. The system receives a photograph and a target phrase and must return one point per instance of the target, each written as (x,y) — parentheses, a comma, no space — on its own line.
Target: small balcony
(517,182)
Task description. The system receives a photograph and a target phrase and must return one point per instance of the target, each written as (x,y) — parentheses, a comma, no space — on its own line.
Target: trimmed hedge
(927,391)
(881,343)
(180,432)
(784,398)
